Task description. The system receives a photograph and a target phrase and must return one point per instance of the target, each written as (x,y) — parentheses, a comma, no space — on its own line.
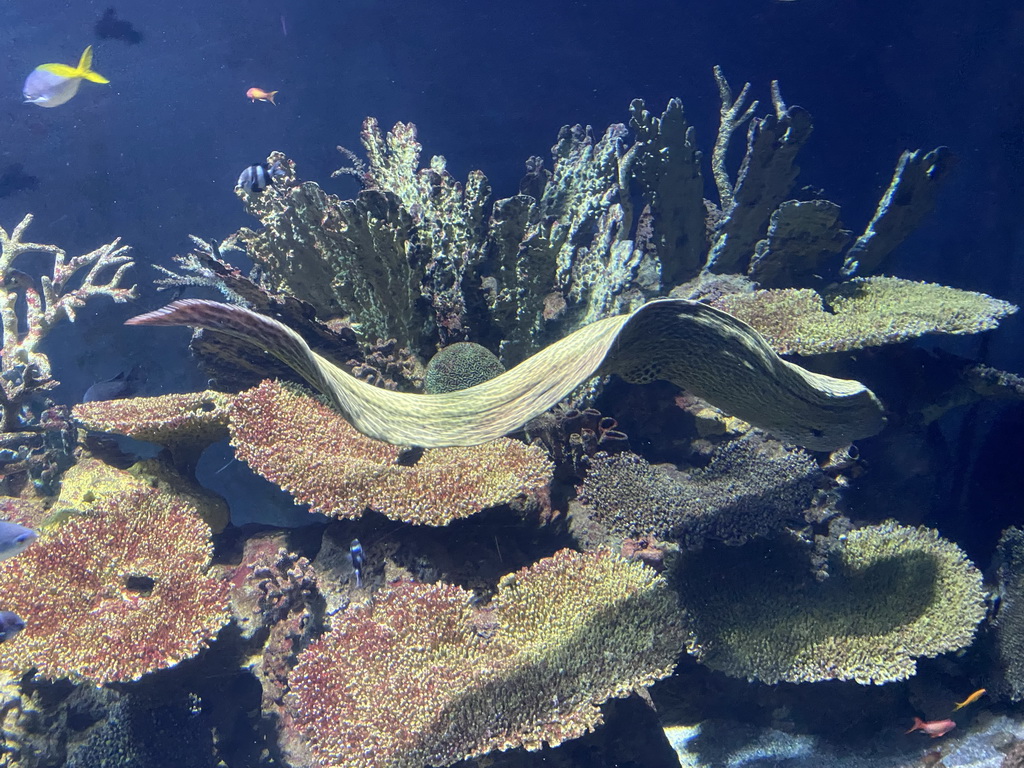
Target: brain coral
(895,593)
(309,450)
(750,487)
(115,594)
(459,366)
(863,312)
(422,677)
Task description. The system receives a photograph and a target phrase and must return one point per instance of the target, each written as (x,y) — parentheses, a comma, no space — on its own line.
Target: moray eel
(704,350)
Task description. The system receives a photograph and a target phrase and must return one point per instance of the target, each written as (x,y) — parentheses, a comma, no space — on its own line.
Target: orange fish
(258,94)
(970,699)
(933,728)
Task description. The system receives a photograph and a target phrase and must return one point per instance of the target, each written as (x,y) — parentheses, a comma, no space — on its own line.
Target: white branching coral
(55,301)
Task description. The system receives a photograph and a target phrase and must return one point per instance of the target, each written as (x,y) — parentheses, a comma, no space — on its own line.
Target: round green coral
(460,366)
(895,593)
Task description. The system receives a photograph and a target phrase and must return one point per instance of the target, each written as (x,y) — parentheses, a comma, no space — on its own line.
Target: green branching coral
(751,487)
(863,312)
(422,677)
(895,593)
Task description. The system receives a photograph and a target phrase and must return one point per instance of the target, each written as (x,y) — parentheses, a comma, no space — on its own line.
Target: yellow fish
(50,85)
(970,699)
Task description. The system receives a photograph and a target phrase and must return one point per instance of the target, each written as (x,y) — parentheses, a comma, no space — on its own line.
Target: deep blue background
(154,156)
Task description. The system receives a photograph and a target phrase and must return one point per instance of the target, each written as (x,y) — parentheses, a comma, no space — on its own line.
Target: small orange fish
(970,699)
(258,94)
(933,728)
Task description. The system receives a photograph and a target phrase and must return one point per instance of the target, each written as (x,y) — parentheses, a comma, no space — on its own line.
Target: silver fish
(50,85)
(14,538)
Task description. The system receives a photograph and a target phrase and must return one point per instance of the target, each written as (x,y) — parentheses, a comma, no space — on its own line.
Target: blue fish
(10,625)
(14,538)
(355,551)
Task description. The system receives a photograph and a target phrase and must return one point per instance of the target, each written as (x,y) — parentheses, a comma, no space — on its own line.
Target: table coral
(422,676)
(310,451)
(114,595)
(863,312)
(895,594)
(166,419)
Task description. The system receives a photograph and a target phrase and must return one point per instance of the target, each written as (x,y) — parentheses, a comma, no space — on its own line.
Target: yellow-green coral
(863,312)
(421,677)
(894,593)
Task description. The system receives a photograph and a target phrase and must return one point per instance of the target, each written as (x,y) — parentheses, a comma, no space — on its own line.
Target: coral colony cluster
(503,593)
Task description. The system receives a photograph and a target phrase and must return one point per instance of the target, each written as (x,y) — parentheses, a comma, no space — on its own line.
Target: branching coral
(36,437)
(116,594)
(423,677)
(895,593)
(56,301)
(314,454)
(863,312)
(751,487)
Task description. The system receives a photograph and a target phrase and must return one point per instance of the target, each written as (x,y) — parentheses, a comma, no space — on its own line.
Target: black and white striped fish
(258,177)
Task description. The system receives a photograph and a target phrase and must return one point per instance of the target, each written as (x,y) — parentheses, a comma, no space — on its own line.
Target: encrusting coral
(751,487)
(310,451)
(895,594)
(115,594)
(863,312)
(422,677)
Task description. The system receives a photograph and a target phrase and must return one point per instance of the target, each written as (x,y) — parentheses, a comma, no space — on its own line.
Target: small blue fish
(14,538)
(10,625)
(355,551)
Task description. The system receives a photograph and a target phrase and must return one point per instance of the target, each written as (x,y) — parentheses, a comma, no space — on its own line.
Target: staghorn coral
(310,451)
(750,487)
(459,366)
(423,677)
(56,301)
(116,594)
(862,312)
(36,437)
(895,593)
